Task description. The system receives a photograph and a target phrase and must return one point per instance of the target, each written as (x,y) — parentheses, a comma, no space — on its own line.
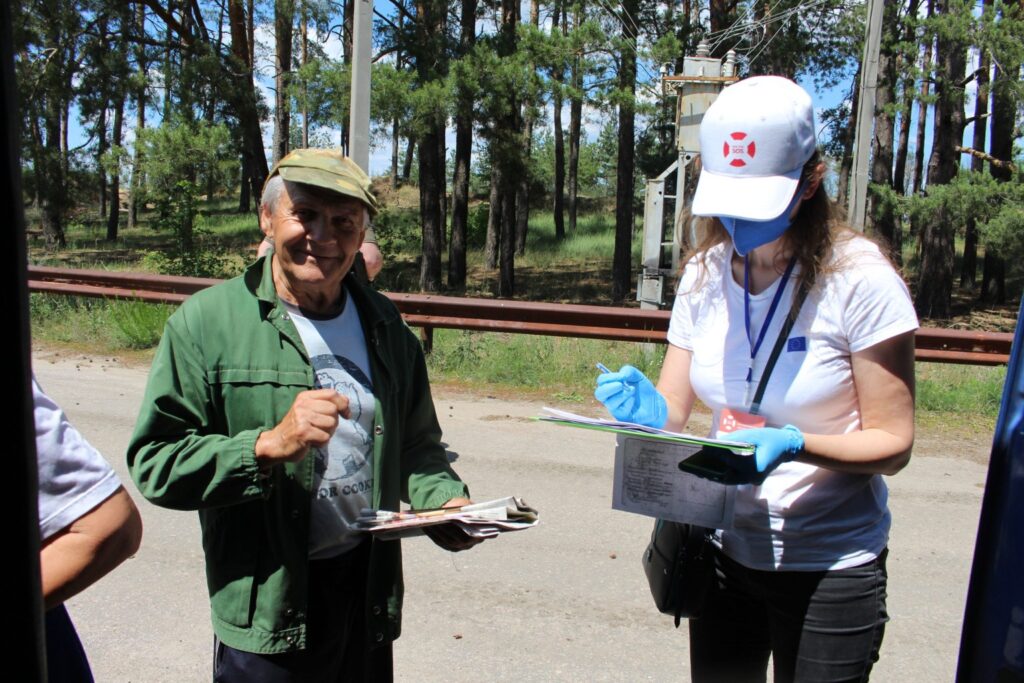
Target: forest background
(169,94)
(519,133)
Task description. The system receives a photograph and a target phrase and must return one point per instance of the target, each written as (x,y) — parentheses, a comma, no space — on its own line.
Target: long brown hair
(812,236)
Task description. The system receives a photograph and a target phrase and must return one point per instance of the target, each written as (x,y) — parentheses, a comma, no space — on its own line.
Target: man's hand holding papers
(475,520)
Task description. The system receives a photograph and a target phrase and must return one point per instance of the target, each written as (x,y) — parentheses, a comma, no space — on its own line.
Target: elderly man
(280,404)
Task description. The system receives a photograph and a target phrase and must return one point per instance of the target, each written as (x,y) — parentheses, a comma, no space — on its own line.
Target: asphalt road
(565,601)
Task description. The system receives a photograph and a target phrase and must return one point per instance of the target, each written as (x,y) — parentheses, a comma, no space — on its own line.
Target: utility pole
(858,193)
(359,104)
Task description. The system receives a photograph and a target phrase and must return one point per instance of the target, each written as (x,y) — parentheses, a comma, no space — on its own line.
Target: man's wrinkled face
(316,235)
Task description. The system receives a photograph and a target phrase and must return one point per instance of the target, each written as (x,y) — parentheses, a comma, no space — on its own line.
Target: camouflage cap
(329,169)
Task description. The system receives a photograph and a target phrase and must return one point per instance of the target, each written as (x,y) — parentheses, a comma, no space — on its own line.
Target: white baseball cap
(754,140)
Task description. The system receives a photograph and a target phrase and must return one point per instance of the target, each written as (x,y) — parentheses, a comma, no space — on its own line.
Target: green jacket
(228,367)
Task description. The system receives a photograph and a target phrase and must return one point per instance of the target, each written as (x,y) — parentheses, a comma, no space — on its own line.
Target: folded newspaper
(479,520)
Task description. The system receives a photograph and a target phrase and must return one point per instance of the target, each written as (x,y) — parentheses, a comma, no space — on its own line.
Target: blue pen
(602,368)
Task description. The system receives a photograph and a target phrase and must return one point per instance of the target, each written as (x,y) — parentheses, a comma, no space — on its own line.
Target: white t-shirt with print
(802,517)
(342,472)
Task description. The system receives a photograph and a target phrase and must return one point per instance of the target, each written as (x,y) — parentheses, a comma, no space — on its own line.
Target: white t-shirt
(802,517)
(343,472)
(73,477)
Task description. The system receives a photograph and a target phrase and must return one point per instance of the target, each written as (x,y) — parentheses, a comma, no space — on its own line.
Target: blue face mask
(747,234)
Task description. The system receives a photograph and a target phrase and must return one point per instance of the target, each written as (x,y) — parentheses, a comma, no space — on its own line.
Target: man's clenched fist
(310,422)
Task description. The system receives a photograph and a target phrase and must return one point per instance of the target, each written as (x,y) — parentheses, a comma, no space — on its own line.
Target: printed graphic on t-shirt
(346,459)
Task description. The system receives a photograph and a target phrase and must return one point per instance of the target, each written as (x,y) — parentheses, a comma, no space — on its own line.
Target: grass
(959,396)
(557,367)
(97,325)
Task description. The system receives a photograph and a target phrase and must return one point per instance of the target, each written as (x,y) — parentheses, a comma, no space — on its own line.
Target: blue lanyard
(754,346)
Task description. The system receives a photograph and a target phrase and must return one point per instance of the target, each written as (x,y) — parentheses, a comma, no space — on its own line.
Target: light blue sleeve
(73,477)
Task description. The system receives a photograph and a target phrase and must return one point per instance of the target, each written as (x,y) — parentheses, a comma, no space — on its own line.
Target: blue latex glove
(630,397)
(773,446)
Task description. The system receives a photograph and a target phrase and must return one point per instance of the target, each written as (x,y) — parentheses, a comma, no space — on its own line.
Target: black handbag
(679,563)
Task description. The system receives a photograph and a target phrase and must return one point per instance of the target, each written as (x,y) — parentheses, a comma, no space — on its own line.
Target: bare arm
(884,378)
(89,548)
(373,259)
(674,386)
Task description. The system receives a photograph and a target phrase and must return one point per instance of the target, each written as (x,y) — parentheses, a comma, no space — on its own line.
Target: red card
(733,420)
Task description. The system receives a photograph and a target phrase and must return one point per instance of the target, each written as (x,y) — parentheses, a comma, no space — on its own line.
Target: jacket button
(295,514)
(290,640)
(378,430)
(289,612)
(376,610)
(380,637)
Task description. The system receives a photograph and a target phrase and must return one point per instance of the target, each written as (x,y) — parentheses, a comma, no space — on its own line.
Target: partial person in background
(801,576)
(88,525)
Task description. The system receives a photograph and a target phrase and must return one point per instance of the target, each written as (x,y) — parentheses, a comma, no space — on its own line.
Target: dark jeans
(817,626)
(337,647)
(65,658)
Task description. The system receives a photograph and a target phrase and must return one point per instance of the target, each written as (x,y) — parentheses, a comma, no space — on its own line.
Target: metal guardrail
(429,311)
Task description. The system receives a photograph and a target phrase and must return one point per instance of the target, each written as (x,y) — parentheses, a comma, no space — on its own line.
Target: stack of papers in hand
(563,417)
(480,520)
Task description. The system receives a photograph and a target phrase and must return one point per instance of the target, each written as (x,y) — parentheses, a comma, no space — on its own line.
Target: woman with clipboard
(799,335)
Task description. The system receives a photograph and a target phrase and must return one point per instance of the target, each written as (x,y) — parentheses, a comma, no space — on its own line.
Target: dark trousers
(817,626)
(337,647)
(65,657)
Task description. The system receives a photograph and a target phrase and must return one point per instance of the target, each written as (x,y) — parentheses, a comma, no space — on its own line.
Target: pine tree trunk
(523,185)
(508,131)
(304,46)
(429,67)
(284,15)
(491,244)
(575,128)
(1004,117)
(935,279)
(558,75)
(881,216)
(101,149)
(969,264)
(922,108)
(140,119)
(244,100)
(899,174)
(115,178)
(624,193)
(463,157)
(430,212)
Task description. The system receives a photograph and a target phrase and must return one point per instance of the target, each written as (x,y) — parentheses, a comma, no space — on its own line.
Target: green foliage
(534,362)
(961,389)
(138,324)
(202,256)
(323,85)
(398,230)
(996,207)
(187,151)
(175,157)
(99,323)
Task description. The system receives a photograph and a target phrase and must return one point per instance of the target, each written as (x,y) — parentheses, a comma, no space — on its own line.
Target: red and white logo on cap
(737,150)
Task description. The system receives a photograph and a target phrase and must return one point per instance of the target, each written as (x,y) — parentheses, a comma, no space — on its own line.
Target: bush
(398,230)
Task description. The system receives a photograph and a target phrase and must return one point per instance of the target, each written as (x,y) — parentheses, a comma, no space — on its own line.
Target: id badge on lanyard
(731,420)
